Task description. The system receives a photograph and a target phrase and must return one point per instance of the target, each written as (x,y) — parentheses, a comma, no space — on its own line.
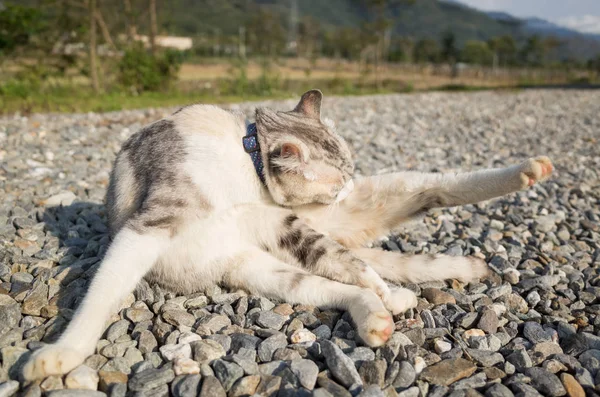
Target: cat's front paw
(51,360)
(400,300)
(535,170)
(377,329)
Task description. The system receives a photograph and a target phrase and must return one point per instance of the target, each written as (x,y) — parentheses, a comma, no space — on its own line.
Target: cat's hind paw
(475,269)
(400,300)
(535,170)
(51,360)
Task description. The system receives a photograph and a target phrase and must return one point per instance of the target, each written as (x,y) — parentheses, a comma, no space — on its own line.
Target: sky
(581,15)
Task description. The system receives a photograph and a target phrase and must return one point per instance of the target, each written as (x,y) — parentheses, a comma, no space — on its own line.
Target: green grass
(84,100)
(73,99)
(76,98)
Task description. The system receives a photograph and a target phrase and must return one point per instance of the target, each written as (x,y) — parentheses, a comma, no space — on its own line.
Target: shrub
(139,71)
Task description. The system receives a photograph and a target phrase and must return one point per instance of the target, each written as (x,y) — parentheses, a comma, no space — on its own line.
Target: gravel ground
(532,327)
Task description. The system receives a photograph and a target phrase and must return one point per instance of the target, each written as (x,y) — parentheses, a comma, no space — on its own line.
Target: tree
(477,52)
(18,25)
(504,50)
(266,35)
(449,51)
(533,52)
(426,50)
(382,28)
(309,30)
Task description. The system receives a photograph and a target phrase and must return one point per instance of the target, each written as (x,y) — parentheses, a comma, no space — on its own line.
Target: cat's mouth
(345,192)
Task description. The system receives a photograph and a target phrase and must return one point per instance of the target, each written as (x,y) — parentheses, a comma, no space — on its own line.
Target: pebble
(340,365)
(227,373)
(150,379)
(303,335)
(212,387)
(267,347)
(306,371)
(271,320)
(109,378)
(572,387)
(185,366)
(172,352)
(186,385)
(437,296)
(82,377)
(545,382)
(447,372)
(536,311)
(406,375)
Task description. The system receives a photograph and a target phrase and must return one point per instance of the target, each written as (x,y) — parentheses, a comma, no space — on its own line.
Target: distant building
(175,42)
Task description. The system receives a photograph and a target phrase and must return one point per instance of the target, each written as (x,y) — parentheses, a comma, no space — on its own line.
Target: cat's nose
(346,190)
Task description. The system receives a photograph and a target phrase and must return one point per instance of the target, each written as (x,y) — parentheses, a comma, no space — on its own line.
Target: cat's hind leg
(128,259)
(263,274)
(396,267)
(314,252)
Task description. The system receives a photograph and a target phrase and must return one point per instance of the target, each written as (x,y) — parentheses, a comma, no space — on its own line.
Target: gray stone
(520,359)
(150,379)
(340,365)
(147,342)
(117,329)
(306,371)
(498,390)
(545,382)
(246,362)
(485,358)
(270,345)
(406,375)
(205,351)
(212,387)
(9,388)
(178,318)
(227,373)
(373,372)
(488,321)
(271,320)
(535,332)
(373,391)
(137,315)
(244,341)
(74,393)
(360,354)
(36,299)
(185,385)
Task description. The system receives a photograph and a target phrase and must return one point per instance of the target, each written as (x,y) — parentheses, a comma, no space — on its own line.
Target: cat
(202,197)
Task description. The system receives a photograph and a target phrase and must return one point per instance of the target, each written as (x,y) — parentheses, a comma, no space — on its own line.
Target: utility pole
(93,57)
(242,42)
(153,27)
(293,28)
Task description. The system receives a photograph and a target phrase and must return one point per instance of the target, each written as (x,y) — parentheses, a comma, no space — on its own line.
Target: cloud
(584,23)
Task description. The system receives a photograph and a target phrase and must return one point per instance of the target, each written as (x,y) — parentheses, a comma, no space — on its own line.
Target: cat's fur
(187,209)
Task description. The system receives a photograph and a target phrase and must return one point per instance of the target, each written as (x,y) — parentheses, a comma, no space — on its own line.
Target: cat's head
(305,160)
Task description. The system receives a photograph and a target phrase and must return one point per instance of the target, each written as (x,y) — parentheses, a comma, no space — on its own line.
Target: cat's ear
(310,104)
(290,150)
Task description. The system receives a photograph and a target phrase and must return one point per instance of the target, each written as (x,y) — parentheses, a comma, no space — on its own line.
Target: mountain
(421,19)
(574,44)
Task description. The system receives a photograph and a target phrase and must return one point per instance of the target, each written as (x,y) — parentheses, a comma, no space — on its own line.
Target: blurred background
(101,55)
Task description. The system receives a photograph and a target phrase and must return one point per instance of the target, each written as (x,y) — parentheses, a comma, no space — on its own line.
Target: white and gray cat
(201,198)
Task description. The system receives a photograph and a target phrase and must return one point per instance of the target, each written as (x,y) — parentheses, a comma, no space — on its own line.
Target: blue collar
(251,146)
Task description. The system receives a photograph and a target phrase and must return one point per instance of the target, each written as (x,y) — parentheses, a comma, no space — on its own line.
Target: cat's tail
(397,267)
(128,259)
